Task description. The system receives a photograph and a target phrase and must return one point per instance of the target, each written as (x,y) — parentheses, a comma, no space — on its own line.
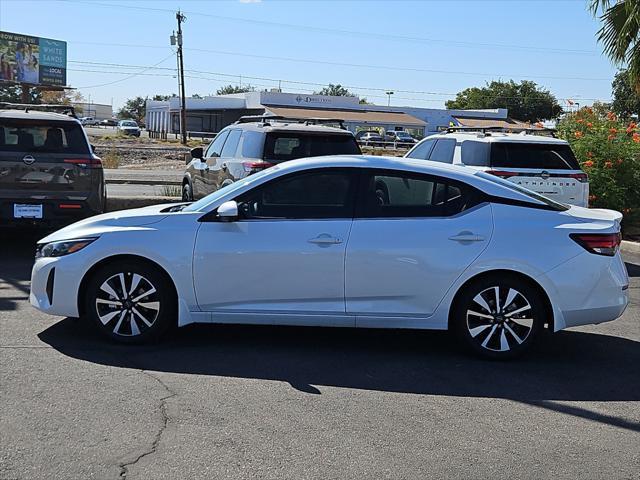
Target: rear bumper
(59,211)
(588,289)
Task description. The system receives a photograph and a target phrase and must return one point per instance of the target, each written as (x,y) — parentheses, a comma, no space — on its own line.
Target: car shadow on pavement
(568,366)
(17,249)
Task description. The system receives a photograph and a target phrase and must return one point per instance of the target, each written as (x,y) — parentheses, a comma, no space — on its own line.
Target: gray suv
(249,146)
(49,175)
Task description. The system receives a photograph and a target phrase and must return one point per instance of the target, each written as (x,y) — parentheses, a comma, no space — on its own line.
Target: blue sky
(425,51)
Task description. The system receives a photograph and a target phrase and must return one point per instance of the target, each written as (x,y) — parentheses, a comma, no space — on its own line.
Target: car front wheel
(130,302)
(498,317)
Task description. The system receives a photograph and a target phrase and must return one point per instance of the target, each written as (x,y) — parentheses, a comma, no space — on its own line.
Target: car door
(204,181)
(283,256)
(413,235)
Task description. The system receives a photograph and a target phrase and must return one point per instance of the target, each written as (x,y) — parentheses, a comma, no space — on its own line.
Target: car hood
(110,222)
(129,128)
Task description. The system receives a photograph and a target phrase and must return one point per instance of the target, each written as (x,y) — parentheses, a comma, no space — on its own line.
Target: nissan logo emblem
(28,160)
(545,175)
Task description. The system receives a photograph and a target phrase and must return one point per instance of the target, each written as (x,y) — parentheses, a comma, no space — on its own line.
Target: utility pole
(183,109)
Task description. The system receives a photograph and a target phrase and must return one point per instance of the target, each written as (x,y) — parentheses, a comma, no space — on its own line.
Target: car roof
(36,115)
(287,127)
(492,137)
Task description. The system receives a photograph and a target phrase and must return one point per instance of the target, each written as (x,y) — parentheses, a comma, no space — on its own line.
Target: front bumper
(55,282)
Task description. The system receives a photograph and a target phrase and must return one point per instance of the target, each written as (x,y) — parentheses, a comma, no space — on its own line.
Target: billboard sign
(32,60)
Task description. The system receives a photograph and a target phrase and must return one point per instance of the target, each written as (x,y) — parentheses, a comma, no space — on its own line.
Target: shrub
(609,152)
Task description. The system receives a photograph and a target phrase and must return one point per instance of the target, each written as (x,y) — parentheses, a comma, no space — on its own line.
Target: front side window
(231,145)
(407,194)
(44,137)
(215,149)
(322,193)
(422,150)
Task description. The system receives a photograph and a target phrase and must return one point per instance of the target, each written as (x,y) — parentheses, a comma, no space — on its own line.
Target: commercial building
(210,114)
(99,111)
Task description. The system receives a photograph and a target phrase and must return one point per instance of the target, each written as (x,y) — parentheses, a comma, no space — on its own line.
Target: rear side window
(280,147)
(443,151)
(231,145)
(406,194)
(252,144)
(42,137)
(475,153)
(545,156)
(422,150)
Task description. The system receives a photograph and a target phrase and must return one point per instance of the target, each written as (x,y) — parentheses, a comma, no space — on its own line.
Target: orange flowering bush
(608,150)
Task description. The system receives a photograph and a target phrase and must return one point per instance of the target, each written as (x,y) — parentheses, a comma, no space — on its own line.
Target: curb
(125,203)
(123,181)
(630,247)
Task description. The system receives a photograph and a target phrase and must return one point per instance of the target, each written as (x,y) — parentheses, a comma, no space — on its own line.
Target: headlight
(64,247)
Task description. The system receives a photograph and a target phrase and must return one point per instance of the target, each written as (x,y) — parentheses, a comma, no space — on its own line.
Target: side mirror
(197,152)
(228,211)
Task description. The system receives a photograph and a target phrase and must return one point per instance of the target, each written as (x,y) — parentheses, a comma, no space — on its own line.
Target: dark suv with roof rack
(255,143)
(49,175)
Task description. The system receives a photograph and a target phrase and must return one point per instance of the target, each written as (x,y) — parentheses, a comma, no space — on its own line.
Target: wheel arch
(119,258)
(526,278)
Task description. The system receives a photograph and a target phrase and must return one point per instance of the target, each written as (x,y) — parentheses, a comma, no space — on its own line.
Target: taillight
(502,174)
(581,177)
(69,206)
(85,162)
(252,167)
(599,243)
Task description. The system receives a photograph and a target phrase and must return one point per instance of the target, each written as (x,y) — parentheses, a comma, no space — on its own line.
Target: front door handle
(324,240)
(464,237)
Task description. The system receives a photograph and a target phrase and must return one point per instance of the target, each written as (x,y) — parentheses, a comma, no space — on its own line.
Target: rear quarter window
(538,156)
(43,137)
(475,153)
(289,146)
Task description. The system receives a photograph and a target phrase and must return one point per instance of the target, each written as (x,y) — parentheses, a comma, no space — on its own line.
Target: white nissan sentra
(345,241)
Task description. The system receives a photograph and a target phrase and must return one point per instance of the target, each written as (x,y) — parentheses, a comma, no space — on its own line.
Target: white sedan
(367,242)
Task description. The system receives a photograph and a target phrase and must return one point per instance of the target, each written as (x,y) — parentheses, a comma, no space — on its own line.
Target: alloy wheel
(499,319)
(127,303)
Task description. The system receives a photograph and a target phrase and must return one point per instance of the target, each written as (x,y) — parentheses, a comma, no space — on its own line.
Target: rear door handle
(467,237)
(324,240)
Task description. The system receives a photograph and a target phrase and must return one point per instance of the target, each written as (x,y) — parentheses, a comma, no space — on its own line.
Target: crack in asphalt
(124,467)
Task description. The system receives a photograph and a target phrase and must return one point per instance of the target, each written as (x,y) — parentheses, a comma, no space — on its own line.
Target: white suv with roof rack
(532,158)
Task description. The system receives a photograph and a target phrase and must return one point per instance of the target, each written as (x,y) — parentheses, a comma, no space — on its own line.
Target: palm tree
(620,32)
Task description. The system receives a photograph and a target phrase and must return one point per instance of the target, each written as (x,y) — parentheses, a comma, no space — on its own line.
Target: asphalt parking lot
(258,402)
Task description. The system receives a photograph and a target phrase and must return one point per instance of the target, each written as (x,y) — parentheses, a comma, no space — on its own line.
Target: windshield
(517,188)
(129,124)
(232,187)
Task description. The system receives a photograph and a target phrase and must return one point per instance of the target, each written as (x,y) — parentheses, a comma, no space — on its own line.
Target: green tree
(626,99)
(229,89)
(524,100)
(336,90)
(620,33)
(134,108)
(161,98)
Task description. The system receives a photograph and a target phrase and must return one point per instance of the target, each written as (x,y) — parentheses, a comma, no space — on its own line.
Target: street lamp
(389,98)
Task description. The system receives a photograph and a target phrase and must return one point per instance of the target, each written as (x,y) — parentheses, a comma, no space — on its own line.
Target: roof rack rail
(514,129)
(268,119)
(43,107)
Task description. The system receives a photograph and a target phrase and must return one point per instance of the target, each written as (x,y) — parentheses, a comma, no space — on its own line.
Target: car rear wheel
(498,317)
(130,302)
(187,194)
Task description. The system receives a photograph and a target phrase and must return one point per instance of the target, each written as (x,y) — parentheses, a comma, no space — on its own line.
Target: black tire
(187,193)
(133,317)
(498,333)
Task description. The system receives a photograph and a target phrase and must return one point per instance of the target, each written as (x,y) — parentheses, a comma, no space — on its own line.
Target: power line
(131,76)
(295,82)
(326,30)
(362,65)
